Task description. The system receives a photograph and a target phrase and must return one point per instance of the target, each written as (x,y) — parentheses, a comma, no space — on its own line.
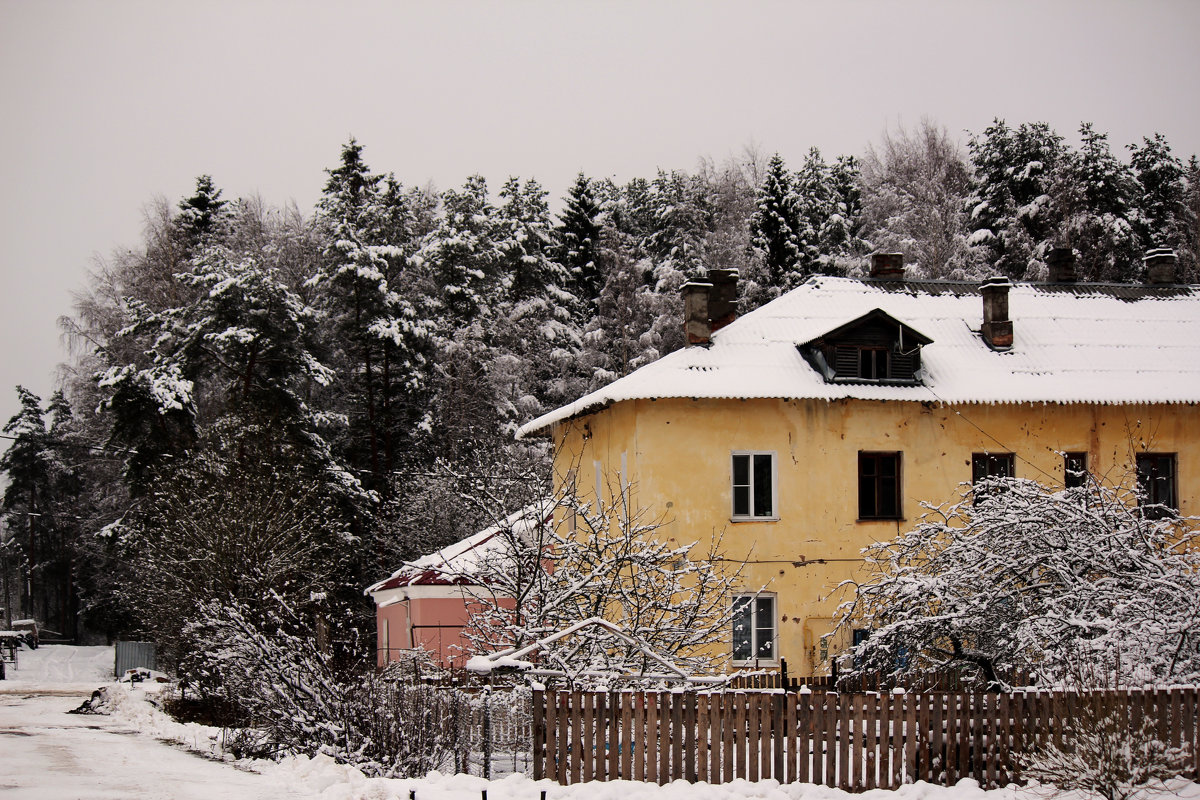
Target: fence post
(539,733)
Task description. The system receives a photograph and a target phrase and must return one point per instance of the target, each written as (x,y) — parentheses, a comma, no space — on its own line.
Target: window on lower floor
(754,486)
(991,465)
(1074,470)
(1156,484)
(878,485)
(860,636)
(986,466)
(754,628)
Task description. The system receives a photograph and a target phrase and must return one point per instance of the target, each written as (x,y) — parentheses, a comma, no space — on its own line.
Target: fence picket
(871,732)
(817,734)
(791,701)
(652,737)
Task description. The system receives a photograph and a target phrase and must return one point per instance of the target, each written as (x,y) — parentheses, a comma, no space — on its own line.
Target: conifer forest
(272,402)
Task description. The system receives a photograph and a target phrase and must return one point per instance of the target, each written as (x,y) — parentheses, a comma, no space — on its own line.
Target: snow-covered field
(137,753)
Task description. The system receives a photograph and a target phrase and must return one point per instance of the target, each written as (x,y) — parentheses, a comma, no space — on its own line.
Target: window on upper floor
(1074,470)
(754,628)
(1156,484)
(878,485)
(754,486)
(873,364)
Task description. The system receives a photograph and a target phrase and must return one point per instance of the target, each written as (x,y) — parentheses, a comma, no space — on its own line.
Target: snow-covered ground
(137,753)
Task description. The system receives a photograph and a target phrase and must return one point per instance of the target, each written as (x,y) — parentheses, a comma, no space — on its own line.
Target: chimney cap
(996,282)
(1160,263)
(1159,252)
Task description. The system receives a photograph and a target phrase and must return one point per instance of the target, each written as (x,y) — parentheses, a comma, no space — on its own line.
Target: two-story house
(821,422)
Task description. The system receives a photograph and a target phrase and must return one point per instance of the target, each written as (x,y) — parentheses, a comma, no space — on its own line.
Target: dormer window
(875,348)
(873,363)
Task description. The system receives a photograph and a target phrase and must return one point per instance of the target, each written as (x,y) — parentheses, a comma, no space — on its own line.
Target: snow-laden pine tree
(681,217)
(578,240)
(535,334)
(1011,212)
(815,204)
(201,214)
(1162,201)
(371,297)
(1096,203)
(37,547)
(773,227)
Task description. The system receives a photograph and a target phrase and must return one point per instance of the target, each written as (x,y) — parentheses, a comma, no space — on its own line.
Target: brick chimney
(697,328)
(1160,265)
(1061,264)
(709,304)
(997,328)
(889,266)
(722,300)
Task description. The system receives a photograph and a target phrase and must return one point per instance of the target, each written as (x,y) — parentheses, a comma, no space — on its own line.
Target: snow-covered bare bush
(1105,753)
(1015,576)
(565,560)
(305,702)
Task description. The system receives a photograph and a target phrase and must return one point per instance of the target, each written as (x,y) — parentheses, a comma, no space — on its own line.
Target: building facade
(826,420)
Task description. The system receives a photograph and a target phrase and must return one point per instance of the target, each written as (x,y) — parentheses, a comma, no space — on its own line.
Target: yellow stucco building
(821,422)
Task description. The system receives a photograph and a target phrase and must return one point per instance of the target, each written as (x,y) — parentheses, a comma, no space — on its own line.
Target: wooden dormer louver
(875,348)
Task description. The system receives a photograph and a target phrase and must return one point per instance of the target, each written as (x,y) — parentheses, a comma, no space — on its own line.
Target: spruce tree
(39,503)
(815,206)
(1101,220)
(773,226)
(366,290)
(1161,191)
(1010,210)
(578,241)
(200,214)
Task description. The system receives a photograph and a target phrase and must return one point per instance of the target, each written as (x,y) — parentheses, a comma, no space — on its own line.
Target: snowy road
(48,754)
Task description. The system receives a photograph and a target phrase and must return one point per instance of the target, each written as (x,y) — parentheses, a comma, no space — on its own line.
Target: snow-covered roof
(1073,343)
(460,563)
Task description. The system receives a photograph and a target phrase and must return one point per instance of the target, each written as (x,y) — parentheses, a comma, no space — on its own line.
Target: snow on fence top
(1072,343)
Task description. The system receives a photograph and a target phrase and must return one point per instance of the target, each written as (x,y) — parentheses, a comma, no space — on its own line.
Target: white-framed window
(754,629)
(754,481)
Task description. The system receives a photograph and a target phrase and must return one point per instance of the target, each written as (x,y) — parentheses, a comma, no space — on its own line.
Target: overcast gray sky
(106,105)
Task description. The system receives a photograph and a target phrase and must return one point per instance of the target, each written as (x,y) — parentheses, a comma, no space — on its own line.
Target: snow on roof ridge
(1142,333)
(451,561)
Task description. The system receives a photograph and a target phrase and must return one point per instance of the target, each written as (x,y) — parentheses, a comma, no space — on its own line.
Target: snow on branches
(1015,576)
(567,560)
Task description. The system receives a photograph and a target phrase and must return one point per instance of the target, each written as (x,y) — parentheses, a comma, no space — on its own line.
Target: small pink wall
(436,625)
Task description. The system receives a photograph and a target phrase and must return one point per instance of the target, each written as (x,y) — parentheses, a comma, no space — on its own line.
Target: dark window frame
(876,361)
(879,494)
(992,465)
(1158,488)
(1075,469)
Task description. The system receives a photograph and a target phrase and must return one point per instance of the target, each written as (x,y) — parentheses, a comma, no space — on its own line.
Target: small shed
(428,603)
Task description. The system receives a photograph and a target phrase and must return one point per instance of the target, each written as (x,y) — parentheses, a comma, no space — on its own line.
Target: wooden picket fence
(849,741)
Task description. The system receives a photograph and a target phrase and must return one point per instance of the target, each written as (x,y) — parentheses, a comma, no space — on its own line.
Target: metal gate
(133,654)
